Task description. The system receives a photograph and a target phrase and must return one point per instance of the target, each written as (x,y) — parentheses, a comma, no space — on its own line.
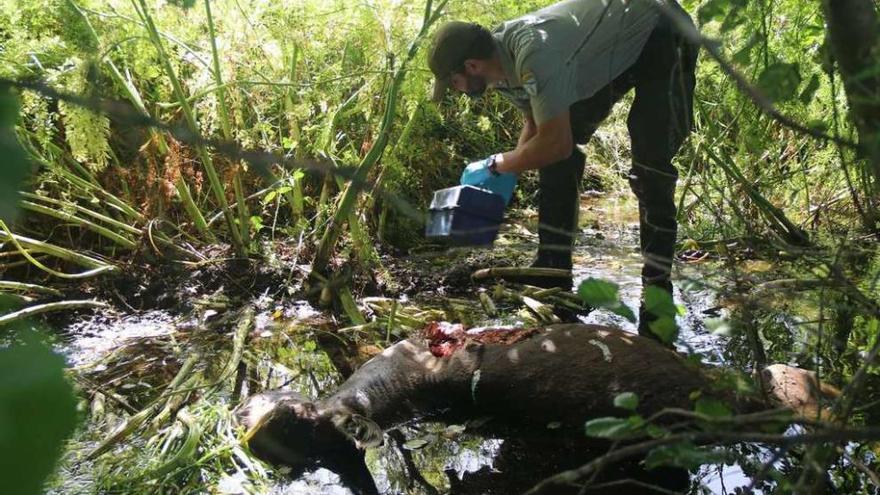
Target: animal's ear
(364,431)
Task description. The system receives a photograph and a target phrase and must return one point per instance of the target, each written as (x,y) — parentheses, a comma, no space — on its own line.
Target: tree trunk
(853,35)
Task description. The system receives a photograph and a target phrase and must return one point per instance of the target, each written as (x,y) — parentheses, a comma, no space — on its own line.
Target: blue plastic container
(465,216)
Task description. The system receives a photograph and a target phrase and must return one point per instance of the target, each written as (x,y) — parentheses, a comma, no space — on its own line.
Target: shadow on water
(472,465)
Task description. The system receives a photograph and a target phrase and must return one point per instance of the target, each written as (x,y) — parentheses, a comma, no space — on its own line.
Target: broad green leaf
(659,302)
(453,431)
(665,328)
(418,443)
(8,109)
(613,428)
(627,400)
(655,431)
(598,293)
(624,311)
(607,427)
(712,408)
(725,381)
(37,414)
(780,81)
(818,124)
(603,294)
(256,223)
(685,455)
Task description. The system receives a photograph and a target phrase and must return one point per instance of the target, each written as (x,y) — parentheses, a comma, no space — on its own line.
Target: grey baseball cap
(450,46)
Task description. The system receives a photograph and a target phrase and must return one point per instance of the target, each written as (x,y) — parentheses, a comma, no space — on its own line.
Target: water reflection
(613,256)
(472,466)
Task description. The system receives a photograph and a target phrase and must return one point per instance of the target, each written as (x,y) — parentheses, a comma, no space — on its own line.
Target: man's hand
(476,172)
(480,175)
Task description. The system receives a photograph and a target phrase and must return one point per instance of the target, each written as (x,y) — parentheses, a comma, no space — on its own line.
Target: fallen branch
(242,329)
(24,287)
(795,284)
(541,310)
(134,422)
(488,305)
(66,216)
(517,271)
(21,242)
(48,307)
(102,390)
(182,455)
(574,476)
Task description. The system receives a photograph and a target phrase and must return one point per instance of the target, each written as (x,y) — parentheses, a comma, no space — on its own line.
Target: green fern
(86,132)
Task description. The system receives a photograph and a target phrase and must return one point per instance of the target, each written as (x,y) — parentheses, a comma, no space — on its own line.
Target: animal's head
(285,428)
(798,390)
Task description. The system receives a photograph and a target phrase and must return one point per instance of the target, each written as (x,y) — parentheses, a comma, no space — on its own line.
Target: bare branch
(703,438)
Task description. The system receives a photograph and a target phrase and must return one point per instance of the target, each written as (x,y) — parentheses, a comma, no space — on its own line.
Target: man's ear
(473,67)
(364,431)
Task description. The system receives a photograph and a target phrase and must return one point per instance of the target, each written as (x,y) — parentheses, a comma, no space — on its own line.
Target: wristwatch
(493,166)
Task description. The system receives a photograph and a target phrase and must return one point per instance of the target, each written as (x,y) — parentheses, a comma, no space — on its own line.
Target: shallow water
(613,255)
(608,254)
(91,338)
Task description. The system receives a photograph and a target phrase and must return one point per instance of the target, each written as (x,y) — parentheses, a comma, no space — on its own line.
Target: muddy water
(613,255)
(447,457)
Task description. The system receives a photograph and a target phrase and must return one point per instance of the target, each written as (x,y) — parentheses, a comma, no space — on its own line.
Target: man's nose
(459,83)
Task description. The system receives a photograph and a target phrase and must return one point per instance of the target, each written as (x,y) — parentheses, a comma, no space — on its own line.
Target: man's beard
(476,86)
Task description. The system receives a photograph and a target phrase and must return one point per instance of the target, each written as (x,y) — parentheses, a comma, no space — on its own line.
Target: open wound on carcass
(445,338)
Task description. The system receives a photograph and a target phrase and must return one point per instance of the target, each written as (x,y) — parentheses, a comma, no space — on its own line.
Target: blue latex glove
(478,174)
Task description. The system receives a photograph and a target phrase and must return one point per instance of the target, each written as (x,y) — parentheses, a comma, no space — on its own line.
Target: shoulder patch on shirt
(530,84)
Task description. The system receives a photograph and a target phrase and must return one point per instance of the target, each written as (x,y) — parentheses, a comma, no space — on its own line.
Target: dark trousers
(660,118)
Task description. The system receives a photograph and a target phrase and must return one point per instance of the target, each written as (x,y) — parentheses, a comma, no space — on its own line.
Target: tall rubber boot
(660,119)
(557,218)
(657,231)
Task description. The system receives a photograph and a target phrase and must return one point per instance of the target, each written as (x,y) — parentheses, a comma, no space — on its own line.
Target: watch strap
(493,166)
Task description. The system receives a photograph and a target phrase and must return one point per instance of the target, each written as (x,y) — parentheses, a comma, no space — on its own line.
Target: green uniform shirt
(539,52)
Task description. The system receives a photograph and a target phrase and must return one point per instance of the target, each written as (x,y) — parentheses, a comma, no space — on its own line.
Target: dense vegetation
(255,144)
